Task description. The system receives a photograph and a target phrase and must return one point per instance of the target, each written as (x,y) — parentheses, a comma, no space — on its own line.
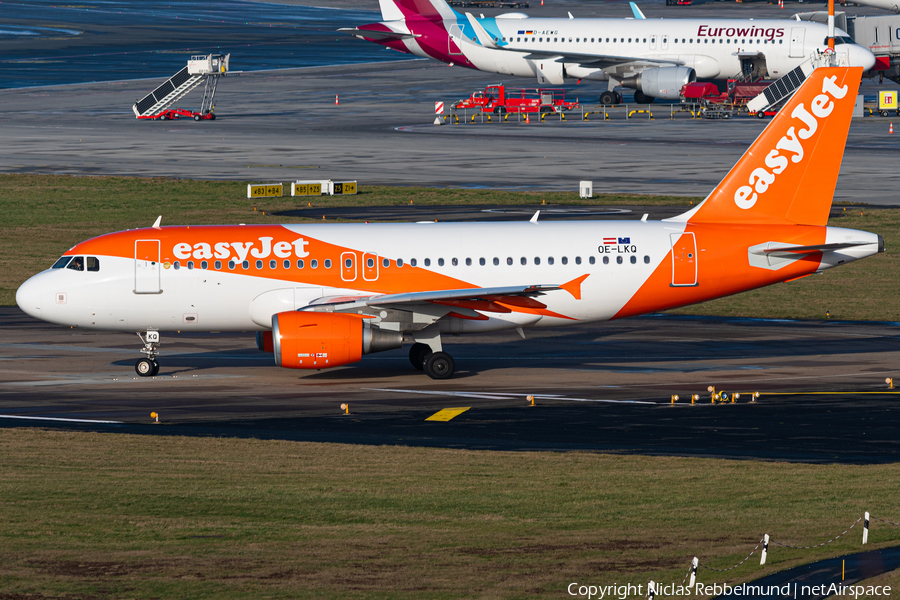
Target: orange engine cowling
(316,340)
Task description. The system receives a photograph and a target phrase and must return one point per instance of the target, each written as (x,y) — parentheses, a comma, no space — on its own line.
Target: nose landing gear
(148,367)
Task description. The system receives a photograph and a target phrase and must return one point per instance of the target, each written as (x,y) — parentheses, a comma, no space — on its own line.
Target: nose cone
(861,57)
(28,297)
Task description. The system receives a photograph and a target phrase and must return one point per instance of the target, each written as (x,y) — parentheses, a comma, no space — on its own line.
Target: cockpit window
(93,264)
(839,39)
(77,264)
(61,263)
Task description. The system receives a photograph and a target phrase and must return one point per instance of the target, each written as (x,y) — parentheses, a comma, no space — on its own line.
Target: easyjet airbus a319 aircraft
(323,295)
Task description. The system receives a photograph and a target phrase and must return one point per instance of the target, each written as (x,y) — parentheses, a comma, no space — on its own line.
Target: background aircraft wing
(602,61)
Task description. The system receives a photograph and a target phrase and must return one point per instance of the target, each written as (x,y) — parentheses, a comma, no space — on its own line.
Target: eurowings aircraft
(654,57)
(323,295)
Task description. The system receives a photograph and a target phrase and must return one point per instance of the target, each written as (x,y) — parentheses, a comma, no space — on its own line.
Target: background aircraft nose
(28,297)
(861,57)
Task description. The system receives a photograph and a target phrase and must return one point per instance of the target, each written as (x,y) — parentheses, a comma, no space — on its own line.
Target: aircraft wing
(378,35)
(341,303)
(601,61)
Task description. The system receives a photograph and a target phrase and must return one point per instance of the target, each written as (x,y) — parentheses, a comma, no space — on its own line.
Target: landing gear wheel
(155,368)
(608,98)
(642,98)
(417,355)
(145,367)
(440,365)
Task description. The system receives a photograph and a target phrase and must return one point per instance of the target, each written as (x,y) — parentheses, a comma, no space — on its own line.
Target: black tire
(144,368)
(884,113)
(608,98)
(500,111)
(642,98)
(212,116)
(197,117)
(440,365)
(163,117)
(155,368)
(417,355)
(760,115)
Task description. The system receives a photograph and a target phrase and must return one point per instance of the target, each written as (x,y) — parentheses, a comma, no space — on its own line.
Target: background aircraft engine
(665,82)
(315,340)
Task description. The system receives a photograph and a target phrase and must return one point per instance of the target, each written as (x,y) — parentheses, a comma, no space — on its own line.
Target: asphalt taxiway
(600,387)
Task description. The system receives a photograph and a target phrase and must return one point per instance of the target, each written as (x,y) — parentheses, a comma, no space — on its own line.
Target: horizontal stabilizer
(817,248)
(378,35)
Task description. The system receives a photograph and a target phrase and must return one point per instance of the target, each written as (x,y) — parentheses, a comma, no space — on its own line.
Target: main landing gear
(148,367)
(610,98)
(437,365)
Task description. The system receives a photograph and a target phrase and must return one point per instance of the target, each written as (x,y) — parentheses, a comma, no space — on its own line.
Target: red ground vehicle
(498,100)
(725,104)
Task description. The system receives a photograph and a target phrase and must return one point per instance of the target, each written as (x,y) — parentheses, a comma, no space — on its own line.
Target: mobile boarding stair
(771,98)
(160,103)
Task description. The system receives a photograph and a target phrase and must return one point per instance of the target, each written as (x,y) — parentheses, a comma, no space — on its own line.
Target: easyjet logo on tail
(791,144)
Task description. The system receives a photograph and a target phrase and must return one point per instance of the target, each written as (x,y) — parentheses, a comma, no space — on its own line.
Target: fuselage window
(577,260)
(619,260)
(177,265)
(468,262)
(537,260)
(592,260)
(399,262)
(481,261)
(93,264)
(705,41)
(348,263)
(691,41)
(370,262)
(645,40)
(427,262)
(273,264)
(77,264)
(231,264)
(413,262)
(605,260)
(555,40)
(577,39)
(570,39)
(592,40)
(328,263)
(62,262)
(646,260)
(245,264)
(218,265)
(782,41)
(314,264)
(549,260)
(518,39)
(204,265)
(286,264)
(629,40)
(258,265)
(300,264)
(496,261)
(454,262)
(634,260)
(509,260)
(523,260)
(190,265)
(565,260)
(440,262)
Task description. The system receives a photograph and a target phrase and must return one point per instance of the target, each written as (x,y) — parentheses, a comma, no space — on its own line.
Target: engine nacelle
(664,82)
(316,340)
(264,341)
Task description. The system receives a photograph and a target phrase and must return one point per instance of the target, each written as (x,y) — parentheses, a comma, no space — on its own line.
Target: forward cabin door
(798,34)
(684,259)
(146,267)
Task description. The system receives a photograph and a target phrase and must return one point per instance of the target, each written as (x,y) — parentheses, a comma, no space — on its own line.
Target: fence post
(765,549)
(694,564)
(866,528)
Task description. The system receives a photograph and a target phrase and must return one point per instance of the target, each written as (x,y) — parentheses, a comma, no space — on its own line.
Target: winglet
(483,36)
(570,16)
(574,286)
(157,222)
(637,12)
(534,219)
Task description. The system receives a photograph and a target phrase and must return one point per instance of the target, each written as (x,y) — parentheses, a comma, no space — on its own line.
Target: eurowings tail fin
(789,173)
(390,11)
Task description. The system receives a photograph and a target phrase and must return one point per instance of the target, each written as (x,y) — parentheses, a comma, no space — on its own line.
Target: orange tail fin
(789,173)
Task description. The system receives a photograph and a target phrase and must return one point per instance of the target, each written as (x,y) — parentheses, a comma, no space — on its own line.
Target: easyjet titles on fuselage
(223,250)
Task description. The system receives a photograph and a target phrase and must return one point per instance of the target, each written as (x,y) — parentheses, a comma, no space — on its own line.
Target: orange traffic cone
(336,101)
(780,3)
(542,2)
(527,119)
(891,130)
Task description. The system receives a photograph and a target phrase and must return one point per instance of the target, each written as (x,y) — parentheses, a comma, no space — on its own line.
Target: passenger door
(454,42)
(684,259)
(798,34)
(146,267)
